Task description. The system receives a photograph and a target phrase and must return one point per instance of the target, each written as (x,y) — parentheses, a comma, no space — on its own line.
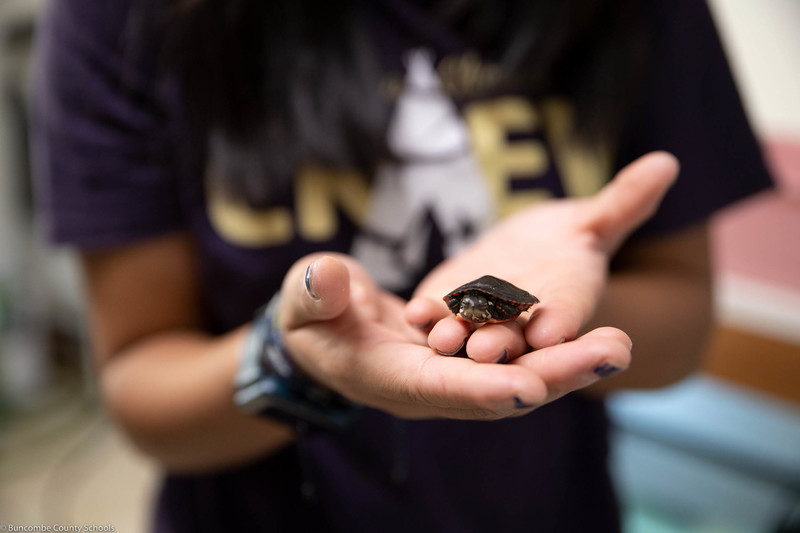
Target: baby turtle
(489,299)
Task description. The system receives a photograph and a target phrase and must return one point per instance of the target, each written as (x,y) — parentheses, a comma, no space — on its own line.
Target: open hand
(558,250)
(351,336)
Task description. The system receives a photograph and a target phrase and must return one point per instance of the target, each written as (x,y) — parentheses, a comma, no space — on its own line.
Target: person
(351,163)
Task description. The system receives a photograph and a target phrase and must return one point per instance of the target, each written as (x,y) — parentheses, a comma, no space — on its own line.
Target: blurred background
(719,452)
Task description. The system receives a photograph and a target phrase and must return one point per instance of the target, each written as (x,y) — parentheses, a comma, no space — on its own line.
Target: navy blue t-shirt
(112,168)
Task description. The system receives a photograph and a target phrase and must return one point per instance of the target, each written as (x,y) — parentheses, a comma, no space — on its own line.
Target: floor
(68,465)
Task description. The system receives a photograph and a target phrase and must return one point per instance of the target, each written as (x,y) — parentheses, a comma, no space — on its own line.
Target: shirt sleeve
(101,144)
(692,109)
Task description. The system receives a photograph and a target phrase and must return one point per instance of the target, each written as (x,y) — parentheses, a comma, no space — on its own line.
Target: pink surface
(783,158)
(760,237)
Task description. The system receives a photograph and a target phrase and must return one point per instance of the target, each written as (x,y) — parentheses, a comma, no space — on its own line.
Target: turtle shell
(505,300)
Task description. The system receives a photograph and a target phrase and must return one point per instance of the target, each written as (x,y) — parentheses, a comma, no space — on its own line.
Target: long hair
(267,84)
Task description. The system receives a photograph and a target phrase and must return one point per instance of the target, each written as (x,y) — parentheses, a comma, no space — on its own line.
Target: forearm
(663,301)
(172,394)
(668,320)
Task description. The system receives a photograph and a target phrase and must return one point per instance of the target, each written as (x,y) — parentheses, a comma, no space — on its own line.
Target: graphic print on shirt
(436,184)
(457,171)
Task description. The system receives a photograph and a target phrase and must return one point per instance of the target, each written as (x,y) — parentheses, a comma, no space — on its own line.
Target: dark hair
(268,84)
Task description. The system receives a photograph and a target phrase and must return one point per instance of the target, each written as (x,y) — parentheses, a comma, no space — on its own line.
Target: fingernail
(519,404)
(453,353)
(503,357)
(606,370)
(307,280)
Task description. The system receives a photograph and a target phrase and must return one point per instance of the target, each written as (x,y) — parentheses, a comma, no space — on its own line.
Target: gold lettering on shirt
(467,74)
(320,193)
(240,224)
(502,159)
(461,75)
(583,169)
(322,196)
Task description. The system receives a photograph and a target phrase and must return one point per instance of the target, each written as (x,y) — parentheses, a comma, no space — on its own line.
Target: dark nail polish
(519,404)
(307,281)
(503,357)
(606,370)
(453,353)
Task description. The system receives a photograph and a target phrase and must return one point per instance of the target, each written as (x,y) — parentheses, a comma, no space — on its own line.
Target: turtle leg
(453,304)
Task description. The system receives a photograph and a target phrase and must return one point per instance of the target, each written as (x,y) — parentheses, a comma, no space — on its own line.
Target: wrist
(270,384)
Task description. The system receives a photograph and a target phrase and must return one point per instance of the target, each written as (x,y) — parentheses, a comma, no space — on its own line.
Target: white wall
(762,38)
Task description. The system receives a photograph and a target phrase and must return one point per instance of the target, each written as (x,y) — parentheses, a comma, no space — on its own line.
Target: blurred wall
(762,38)
(755,244)
(721,451)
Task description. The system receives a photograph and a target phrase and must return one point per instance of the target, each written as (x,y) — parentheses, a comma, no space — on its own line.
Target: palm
(558,250)
(370,354)
(354,339)
(542,250)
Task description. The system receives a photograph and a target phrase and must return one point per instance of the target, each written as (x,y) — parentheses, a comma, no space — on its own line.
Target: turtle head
(474,307)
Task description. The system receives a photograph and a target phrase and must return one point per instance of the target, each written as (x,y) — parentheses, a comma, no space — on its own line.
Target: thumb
(316,288)
(630,198)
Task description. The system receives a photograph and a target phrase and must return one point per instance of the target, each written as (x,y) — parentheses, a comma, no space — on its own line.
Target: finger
(449,335)
(630,198)
(574,365)
(316,288)
(452,387)
(497,343)
(556,321)
(564,309)
(423,313)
